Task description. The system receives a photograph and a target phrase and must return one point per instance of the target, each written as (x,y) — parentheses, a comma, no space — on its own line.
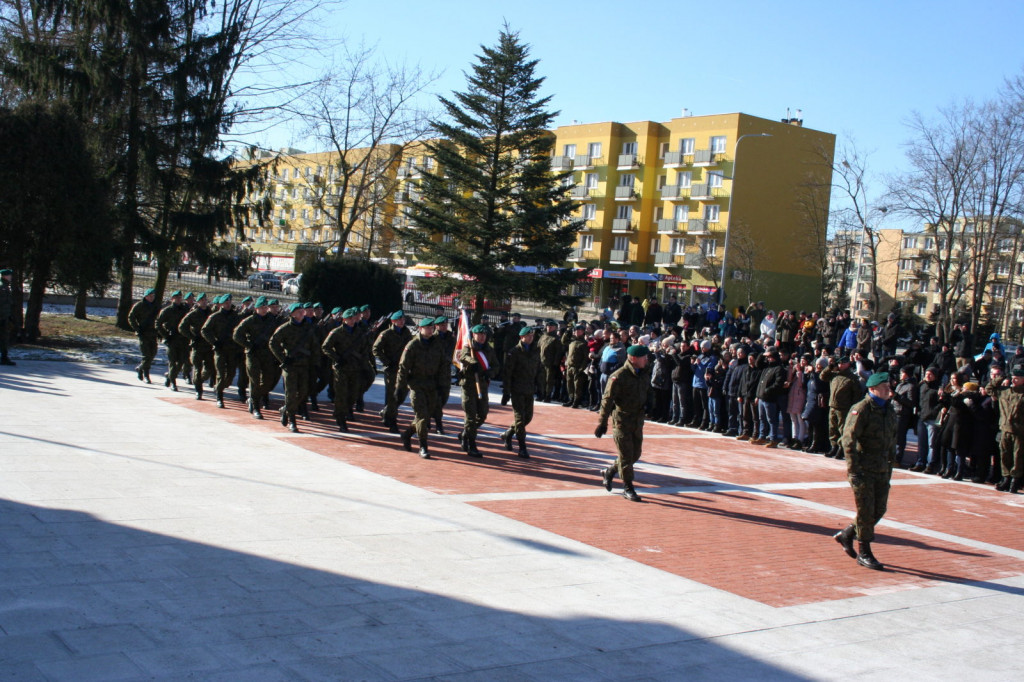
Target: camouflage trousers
(522,411)
(628,433)
(424,405)
(263,372)
(296,387)
(148,347)
(475,406)
(577,384)
(202,365)
(227,361)
(1011,454)
(346,390)
(177,355)
(836,421)
(871,495)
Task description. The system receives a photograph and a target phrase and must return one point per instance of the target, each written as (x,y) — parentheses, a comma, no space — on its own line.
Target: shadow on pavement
(82,598)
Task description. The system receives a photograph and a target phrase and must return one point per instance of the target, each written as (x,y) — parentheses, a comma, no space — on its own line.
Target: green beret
(246,299)
(215,300)
(550,323)
(201,296)
(6,271)
(308,306)
(273,301)
(335,311)
(440,319)
(1018,371)
(526,330)
(878,378)
(318,304)
(480,329)
(398,316)
(225,298)
(363,308)
(149,291)
(261,301)
(349,312)
(176,292)
(638,351)
(189,295)
(293,307)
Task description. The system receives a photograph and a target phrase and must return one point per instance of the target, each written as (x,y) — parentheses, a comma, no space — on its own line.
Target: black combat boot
(505,397)
(138,371)
(607,476)
(284,417)
(313,404)
(174,385)
(523,452)
(845,538)
(292,426)
(304,411)
(439,426)
(506,438)
(1015,485)
(866,559)
(342,426)
(360,406)
(463,441)
(220,399)
(167,381)
(256,414)
(199,391)
(242,395)
(266,402)
(1004,484)
(423,449)
(407,439)
(471,450)
(629,493)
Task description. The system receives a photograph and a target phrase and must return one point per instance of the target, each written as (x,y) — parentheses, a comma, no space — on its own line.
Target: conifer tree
(492,206)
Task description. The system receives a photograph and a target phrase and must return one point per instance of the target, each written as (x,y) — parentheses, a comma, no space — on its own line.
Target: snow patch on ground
(101,350)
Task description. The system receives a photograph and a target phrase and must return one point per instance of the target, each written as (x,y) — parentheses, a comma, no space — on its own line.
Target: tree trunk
(34,310)
(126,297)
(160,284)
(81,297)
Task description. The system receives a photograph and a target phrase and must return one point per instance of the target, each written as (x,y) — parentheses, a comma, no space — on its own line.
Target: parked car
(265,281)
(291,286)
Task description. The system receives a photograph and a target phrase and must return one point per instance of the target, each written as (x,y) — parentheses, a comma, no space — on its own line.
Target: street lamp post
(732,193)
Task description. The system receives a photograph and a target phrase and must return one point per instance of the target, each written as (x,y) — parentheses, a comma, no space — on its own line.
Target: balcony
(703,157)
(561,163)
(628,161)
(704,191)
(694,260)
(622,225)
(618,256)
(627,193)
(585,193)
(668,260)
(675,159)
(584,161)
(590,225)
(668,226)
(697,226)
(577,254)
(675,193)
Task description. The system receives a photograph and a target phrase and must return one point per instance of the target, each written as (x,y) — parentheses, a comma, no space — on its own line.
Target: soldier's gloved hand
(601,429)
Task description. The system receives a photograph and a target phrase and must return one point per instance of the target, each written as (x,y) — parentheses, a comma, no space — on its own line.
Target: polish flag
(465,338)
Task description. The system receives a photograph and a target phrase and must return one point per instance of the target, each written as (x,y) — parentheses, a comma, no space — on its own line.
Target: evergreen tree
(492,203)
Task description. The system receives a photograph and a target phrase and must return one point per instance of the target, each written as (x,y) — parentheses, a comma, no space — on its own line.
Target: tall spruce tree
(492,206)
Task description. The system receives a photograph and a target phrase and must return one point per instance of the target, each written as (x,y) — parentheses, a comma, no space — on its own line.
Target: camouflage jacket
(625,395)
(843,388)
(472,370)
(169,318)
(344,347)
(142,317)
(522,369)
(191,327)
(551,350)
(869,437)
(423,365)
(390,344)
(579,354)
(254,332)
(218,330)
(1011,407)
(294,345)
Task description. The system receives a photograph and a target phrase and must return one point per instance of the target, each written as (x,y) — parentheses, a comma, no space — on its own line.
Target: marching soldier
(551,351)
(624,400)
(843,390)
(253,335)
(522,375)
(218,332)
(479,365)
(447,340)
(344,347)
(422,369)
(201,355)
(368,373)
(292,344)
(1010,395)
(388,349)
(186,364)
(6,314)
(511,338)
(142,319)
(177,345)
(576,361)
(869,441)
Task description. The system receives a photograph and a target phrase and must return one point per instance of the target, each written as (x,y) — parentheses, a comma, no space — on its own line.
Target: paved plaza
(145,535)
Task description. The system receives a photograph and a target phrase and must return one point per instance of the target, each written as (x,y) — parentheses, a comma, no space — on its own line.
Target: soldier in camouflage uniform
(344,347)
(511,339)
(522,377)
(388,349)
(1010,395)
(253,335)
(186,364)
(447,340)
(294,346)
(475,380)
(551,352)
(201,355)
(843,391)
(227,355)
(576,361)
(624,400)
(177,345)
(869,441)
(6,314)
(142,319)
(422,369)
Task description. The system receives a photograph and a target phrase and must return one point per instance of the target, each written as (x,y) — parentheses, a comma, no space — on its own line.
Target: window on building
(627,180)
(1006,244)
(305,213)
(715,179)
(929,243)
(923,288)
(594,150)
(905,285)
(589,211)
(662,181)
(718,144)
(587,242)
(662,150)
(590,180)
(910,242)
(907,263)
(291,235)
(684,178)
(624,212)
(708,246)
(658,212)
(921,308)
(687,145)
(621,244)
(316,235)
(682,213)
(711,213)
(291,214)
(316,214)
(1018,314)
(629,147)
(925,264)
(655,245)
(999,290)
(678,247)
(1002,268)
(448,238)
(295,173)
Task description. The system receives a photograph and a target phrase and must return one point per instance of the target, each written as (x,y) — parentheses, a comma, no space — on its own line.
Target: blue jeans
(927,443)
(769,412)
(714,404)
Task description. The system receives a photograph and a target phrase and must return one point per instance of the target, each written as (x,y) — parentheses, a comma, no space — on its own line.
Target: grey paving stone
(92,668)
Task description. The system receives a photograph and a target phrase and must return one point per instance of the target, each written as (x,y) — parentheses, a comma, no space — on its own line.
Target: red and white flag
(464,339)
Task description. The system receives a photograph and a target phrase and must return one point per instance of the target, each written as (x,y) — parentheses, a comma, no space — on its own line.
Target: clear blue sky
(856,69)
